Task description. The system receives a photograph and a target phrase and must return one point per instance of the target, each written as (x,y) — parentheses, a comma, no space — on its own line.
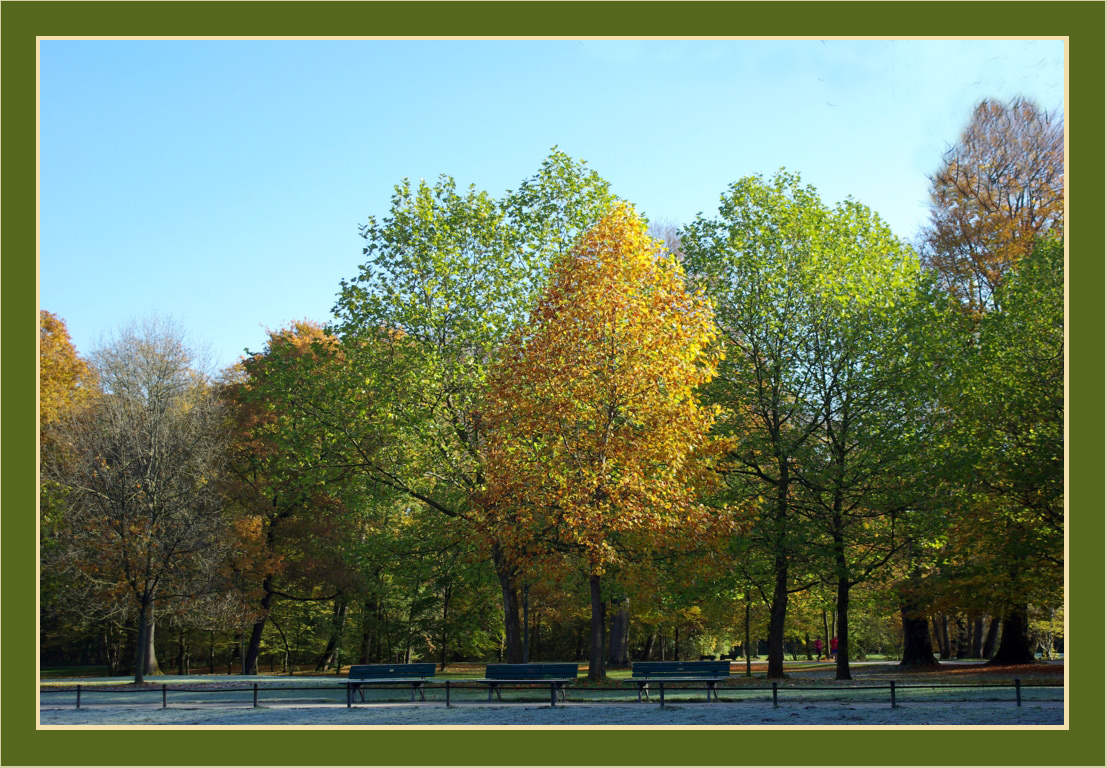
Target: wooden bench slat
(692,669)
(531,671)
(360,671)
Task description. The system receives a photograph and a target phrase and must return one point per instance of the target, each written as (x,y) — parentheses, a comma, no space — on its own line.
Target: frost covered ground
(810,697)
(573,714)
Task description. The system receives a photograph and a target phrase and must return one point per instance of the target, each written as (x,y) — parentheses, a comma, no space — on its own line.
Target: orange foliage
(593,422)
(65,381)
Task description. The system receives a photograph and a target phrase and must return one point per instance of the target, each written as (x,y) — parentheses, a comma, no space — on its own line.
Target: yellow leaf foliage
(593,422)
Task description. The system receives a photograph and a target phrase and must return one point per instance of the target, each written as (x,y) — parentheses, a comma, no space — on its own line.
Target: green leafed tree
(1012,413)
(448,275)
(824,388)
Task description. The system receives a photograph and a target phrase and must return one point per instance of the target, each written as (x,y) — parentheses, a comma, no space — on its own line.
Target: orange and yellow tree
(595,433)
(1000,188)
(296,500)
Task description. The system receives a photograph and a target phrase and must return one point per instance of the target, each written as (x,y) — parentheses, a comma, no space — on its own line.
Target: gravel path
(573,714)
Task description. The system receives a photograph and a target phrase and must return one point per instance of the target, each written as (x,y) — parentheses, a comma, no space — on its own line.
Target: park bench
(709,673)
(556,675)
(387,674)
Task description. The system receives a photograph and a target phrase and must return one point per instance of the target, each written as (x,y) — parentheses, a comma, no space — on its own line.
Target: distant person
(818,650)
(834,648)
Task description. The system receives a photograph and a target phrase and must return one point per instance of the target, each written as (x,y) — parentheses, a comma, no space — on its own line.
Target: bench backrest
(680,669)
(529,671)
(368,671)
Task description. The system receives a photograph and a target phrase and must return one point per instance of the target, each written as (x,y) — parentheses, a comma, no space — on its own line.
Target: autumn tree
(66,386)
(1000,187)
(66,382)
(448,274)
(592,420)
(301,510)
(143,517)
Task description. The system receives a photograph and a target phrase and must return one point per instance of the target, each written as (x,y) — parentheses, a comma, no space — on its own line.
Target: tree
(753,261)
(143,515)
(1000,188)
(824,388)
(290,479)
(592,422)
(867,478)
(448,275)
(65,381)
(1012,412)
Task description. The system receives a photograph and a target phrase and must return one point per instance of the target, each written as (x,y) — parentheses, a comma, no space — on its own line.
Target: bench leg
(349,697)
(422,696)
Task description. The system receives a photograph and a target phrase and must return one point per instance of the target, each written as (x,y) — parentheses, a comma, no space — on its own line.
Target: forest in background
(540,427)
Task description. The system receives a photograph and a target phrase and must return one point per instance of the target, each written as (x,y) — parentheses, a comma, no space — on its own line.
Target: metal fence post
(447,693)
(893,684)
(255,695)
(775,705)
(1018,692)
(78,697)
(164,704)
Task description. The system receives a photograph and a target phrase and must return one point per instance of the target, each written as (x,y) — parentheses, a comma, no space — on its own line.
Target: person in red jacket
(834,648)
(818,649)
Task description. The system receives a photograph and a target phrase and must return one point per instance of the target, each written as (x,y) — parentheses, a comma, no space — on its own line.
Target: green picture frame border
(1081,744)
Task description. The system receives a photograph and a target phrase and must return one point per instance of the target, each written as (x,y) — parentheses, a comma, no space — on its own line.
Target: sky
(221,183)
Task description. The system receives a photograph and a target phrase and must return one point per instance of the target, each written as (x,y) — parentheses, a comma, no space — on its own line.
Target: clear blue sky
(222,182)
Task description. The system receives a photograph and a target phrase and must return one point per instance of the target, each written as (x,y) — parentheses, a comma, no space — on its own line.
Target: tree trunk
(647,649)
(941,633)
(841,670)
(595,644)
(253,650)
(446,591)
(330,653)
(620,621)
(747,643)
(152,666)
(526,623)
(807,646)
(977,650)
(141,636)
(917,649)
(989,648)
(964,642)
(181,651)
(513,642)
(1014,643)
(777,613)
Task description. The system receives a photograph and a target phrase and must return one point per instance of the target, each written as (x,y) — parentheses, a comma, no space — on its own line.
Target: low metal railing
(528,691)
